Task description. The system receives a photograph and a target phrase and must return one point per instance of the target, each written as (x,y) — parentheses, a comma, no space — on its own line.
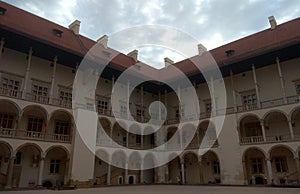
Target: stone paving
(166,189)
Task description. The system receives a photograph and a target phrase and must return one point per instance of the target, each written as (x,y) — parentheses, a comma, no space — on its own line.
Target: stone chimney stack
(201,49)
(75,26)
(168,62)
(133,54)
(273,22)
(103,40)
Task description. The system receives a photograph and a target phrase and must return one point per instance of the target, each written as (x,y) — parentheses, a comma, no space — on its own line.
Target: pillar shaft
(256,86)
(10,172)
(108,174)
(41,171)
(26,77)
(270,171)
(53,80)
(281,80)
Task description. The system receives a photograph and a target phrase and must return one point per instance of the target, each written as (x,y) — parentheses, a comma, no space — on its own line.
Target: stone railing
(34,135)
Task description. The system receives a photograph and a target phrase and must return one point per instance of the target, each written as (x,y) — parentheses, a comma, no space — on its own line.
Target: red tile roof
(40,29)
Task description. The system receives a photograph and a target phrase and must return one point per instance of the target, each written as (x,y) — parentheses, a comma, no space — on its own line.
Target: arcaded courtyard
(167,189)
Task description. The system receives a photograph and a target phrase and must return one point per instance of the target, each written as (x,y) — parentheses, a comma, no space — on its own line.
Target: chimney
(103,40)
(168,62)
(273,22)
(201,49)
(75,27)
(133,54)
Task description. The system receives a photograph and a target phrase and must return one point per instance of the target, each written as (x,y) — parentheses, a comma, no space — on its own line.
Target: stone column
(41,170)
(281,80)
(297,162)
(263,130)
(245,173)
(108,174)
(127,139)
(142,103)
(256,87)
(270,171)
(213,99)
(128,97)
(67,172)
(26,77)
(53,80)
(1,46)
(126,173)
(10,172)
(142,172)
(182,171)
(291,129)
(200,170)
(233,92)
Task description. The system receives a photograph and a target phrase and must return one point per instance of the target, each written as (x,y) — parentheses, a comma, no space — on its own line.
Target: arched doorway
(210,166)
(283,165)
(192,173)
(26,166)
(255,166)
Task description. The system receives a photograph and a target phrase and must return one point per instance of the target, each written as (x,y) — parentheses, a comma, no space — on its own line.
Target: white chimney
(103,40)
(133,54)
(75,27)
(273,22)
(168,62)
(201,49)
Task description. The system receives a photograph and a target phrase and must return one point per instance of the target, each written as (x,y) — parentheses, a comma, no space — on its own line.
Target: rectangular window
(138,139)
(281,164)
(208,106)
(102,106)
(10,86)
(123,109)
(6,121)
(35,124)
(216,166)
(249,97)
(39,92)
(62,127)
(179,112)
(257,165)
(65,95)
(54,166)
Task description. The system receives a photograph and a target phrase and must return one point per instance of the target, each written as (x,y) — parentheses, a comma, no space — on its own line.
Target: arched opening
(250,130)
(5,155)
(25,171)
(149,140)
(174,168)
(173,138)
(118,170)
(135,139)
(33,121)
(119,135)
(61,126)
(8,118)
(207,135)
(149,172)
(102,168)
(56,167)
(189,137)
(255,166)
(277,127)
(296,123)
(134,166)
(192,173)
(210,167)
(283,165)
(104,132)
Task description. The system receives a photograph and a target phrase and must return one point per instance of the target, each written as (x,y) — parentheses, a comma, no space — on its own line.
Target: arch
(119,159)
(29,144)
(280,146)
(248,115)
(58,147)
(274,111)
(102,154)
(37,107)
(294,111)
(192,171)
(6,146)
(254,148)
(61,111)
(134,161)
(61,122)
(13,104)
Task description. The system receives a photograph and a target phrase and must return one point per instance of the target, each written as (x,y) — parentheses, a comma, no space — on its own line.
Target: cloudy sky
(211,22)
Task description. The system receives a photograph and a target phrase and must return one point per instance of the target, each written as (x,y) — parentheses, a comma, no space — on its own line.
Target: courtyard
(165,189)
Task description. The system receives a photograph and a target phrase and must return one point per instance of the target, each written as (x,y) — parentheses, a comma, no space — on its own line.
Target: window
(208,106)
(102,105)
(216,167)
(179,112)
(35,124)
(39,90)
(0,161)
(152,139)
(65,94)
(138,139)
(123,109)
(140,113)
(6,121)
(281,164)
(249,97)
(257,165)
(18,158)
(54,166)
(298,87)
(11,86)
(62,127)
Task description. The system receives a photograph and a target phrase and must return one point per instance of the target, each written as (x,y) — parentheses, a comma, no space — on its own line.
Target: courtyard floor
(166,189)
